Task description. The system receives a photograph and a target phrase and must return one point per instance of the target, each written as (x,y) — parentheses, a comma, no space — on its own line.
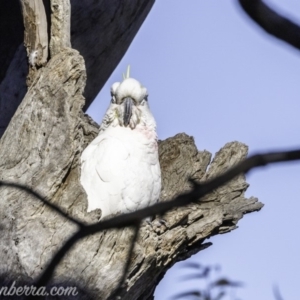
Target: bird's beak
(128,102)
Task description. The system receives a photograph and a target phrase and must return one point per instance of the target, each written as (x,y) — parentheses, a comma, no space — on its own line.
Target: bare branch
(35,36)
(272,22)
(36,31)
(60,26)
(276,292)
(101,31)
(197,192)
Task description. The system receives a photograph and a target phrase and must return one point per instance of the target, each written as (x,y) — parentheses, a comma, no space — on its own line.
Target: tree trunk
(41,149)
(101,31)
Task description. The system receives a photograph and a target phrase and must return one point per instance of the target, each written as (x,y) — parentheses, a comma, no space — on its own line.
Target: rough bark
(41,149)
(35,35)
(100,30)
(36,31)
(60,26)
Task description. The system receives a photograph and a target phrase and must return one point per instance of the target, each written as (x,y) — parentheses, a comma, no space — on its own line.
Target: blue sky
(213,74)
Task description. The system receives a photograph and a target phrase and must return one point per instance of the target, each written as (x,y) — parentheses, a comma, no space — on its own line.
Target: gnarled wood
(36,35)
(36,31)
(41,148)
(100,30)
(60,26)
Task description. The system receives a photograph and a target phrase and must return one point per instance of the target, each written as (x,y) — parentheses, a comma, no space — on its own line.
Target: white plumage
(120,170)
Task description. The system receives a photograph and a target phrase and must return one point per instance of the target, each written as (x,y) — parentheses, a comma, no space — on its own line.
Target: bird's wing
(142,180)
(104,162)
(111,156)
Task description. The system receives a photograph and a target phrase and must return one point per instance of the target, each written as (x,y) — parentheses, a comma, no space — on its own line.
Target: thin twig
(272,22)
(198,191)
(277,293)
(42,199)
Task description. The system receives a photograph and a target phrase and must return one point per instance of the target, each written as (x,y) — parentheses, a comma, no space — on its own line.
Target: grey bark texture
(100,30)
(35,35)
(41,149)
(36,31)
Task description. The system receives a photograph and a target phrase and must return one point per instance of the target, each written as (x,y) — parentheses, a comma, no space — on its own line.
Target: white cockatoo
(120,169)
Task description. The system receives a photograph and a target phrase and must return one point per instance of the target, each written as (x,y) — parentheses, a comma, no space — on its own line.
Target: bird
(120,169)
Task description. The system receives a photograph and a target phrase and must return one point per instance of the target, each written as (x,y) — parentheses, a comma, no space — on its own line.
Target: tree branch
(36,31)
(272,22)
(96,261)
(35,36)
(41,149)
(101,31)
(198,192)
(60,26)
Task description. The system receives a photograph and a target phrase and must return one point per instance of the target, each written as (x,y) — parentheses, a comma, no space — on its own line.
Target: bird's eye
(113,98)
(146,98)
(144,101)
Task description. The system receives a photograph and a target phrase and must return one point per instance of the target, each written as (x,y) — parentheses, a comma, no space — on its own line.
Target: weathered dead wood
(100,30)
(35,36)
(60,26)
(36,32)
(41,148)
(33,150)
